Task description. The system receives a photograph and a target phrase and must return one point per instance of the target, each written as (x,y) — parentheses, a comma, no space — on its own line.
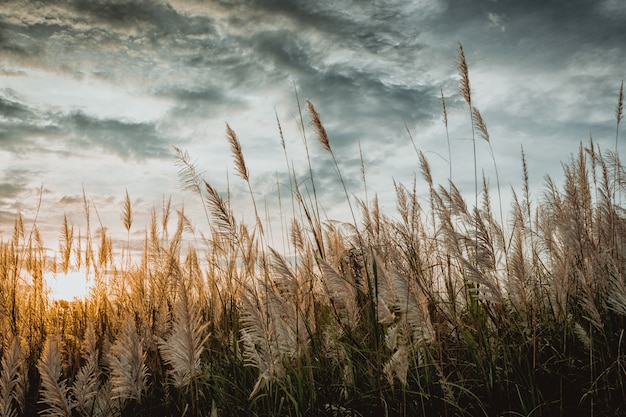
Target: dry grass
(440,308)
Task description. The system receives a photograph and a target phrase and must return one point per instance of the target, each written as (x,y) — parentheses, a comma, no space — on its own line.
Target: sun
(70,286)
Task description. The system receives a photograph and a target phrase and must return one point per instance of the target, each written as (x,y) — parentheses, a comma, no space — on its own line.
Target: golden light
(70,286)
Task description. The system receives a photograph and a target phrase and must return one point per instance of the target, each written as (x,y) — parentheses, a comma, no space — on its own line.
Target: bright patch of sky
(68,287)
(63,93)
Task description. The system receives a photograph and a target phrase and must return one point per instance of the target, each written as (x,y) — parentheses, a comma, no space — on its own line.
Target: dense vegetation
(441,308)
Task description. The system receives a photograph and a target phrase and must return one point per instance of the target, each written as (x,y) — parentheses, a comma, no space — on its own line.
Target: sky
(94,95)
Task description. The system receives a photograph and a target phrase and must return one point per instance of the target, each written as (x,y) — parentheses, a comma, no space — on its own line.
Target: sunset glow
(74,284)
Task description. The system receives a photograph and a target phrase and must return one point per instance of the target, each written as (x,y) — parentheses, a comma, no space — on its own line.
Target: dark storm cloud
(537,32)
(9,190)
(200,102)
(124,12)
(24,129)
(360,95)
(20,124)
(13,181)
(12,109)
(126,139)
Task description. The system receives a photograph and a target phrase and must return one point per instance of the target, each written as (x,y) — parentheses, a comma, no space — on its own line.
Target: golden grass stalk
(127,213)
(618,115)
(620,104)
(464,74)
(235,147)
(240,164)
(319,127)
(445,122)
(313,214)
(66,243)
(480,125)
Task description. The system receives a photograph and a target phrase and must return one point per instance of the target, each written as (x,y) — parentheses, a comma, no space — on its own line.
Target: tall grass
(439,308)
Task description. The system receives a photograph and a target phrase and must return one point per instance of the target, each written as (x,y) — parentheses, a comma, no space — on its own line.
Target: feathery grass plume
(54,390)
(620,104)
(127,219)
(264,335)
(288,282)
(86,384)
(18,230)
(363,178)
(129,373)
(464,74)
(299,294)
(291,179)
(616,299)
(342,295)
(235,147)
(89,254)
(240,164)
(312,214)
(397,340)
(445,122)
(297,236)
(127,213)
(618,115)
(480,125)
(104,405)
(319,127)
(323,139)
(183,347)
(188,174)
(221,212)
(87,379)
(13,374)
(467,95)
(66,242)
(190,178)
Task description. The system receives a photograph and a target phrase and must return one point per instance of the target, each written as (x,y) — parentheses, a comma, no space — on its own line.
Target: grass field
(445,307)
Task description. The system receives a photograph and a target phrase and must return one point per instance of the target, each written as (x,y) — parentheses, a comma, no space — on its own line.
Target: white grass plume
(342,294)
(129,374)
(183,348)
(86,385)
(12,380)
(272,333)
(54,390)
(397,339)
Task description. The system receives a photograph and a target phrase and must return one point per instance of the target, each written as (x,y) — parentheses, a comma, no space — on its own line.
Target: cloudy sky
(95,93)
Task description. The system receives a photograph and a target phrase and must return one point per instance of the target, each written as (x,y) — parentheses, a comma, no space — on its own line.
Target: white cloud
(62,93)
(497,21)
